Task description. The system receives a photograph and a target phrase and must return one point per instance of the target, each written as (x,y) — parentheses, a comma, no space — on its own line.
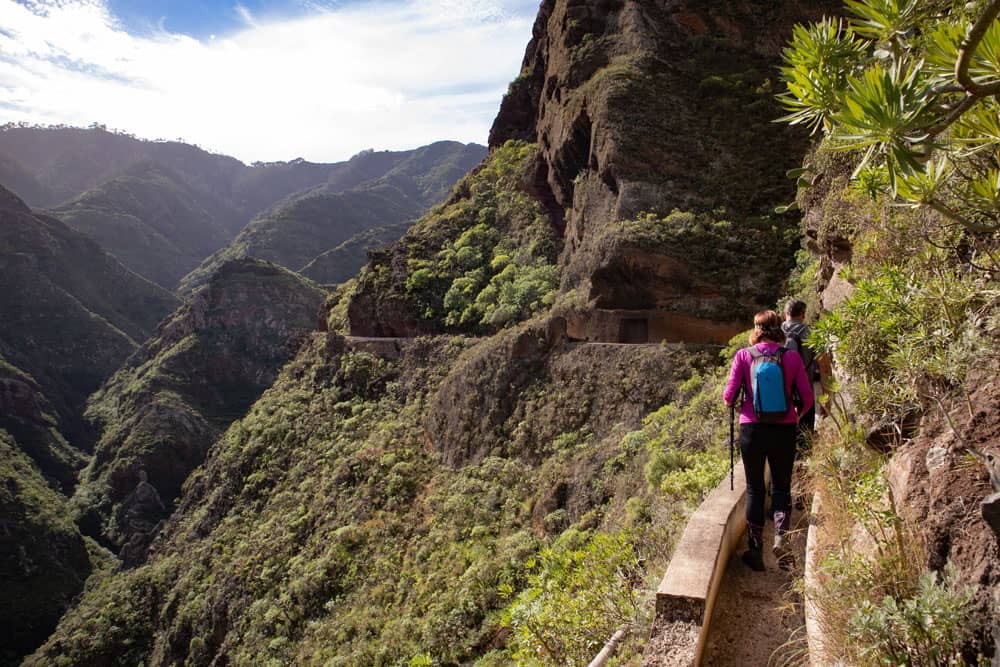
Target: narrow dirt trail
(758,617)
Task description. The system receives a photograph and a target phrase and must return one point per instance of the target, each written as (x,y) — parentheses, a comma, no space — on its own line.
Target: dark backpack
(793,341)
(767,385)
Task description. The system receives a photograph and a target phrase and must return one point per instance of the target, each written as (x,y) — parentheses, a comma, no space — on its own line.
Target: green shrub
(928,629)
(907,335)
(486,261)
(577,596)
(687,440)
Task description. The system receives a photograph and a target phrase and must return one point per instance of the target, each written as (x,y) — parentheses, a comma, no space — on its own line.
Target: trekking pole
(732,446)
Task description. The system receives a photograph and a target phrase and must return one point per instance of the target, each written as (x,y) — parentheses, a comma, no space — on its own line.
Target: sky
(321,80)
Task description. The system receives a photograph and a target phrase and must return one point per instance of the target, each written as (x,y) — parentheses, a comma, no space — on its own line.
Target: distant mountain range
(300,228)
(162,208)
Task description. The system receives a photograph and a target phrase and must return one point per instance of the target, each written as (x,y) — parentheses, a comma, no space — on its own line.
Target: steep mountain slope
(344,261)
(295,231)
(333,471)
(163,207)
(483,260)
(206,365)
(43,559)
(27,416)
(151,220)
(204,368)
(71,313)
(21,182)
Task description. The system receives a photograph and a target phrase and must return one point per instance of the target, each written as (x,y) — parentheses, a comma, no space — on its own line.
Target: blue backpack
(767,379)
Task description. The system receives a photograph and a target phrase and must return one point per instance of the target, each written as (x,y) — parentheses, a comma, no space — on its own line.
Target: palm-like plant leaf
(984,191)
(943,51)
(923,187)
(883,20)
(979,128)
(817,61)
(884,110)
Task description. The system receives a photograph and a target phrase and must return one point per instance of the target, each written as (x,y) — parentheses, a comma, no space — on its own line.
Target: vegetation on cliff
(29,418)
(209,361)
(482,261)
(43,559)
(71,313)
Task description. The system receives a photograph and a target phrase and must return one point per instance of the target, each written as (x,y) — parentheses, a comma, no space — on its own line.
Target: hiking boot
(783,553)
(754,559)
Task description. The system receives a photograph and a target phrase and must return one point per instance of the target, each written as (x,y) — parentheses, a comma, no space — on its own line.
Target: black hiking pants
(774,445)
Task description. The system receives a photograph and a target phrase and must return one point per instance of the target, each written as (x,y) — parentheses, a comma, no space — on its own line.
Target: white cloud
(392,74)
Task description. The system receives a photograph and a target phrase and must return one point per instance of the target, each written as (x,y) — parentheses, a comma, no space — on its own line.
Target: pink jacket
(794,372)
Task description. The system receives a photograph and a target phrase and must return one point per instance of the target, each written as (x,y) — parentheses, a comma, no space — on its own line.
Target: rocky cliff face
(941,489)
(71,313)
(641,107)
(515,393)
(203,369)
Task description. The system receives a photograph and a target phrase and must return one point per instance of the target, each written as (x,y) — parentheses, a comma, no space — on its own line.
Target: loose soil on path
(758,618)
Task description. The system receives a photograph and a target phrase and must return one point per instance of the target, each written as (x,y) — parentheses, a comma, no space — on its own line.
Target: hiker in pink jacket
(768,440)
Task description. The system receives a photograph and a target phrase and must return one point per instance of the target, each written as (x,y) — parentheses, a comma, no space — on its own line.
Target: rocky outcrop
(512,394)
(205,367)
(657,164)
(647,108)
(43,559)
(71,313)
(948,495)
